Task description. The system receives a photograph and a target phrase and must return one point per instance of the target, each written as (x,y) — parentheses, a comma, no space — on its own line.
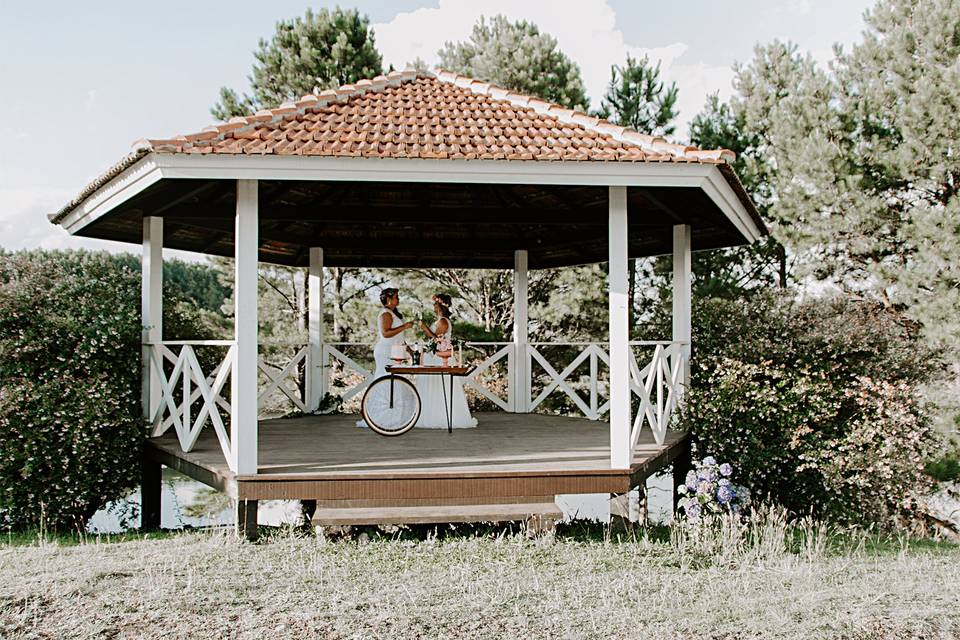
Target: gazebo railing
(484,378)
(183,385)
(658,386)
(561,377)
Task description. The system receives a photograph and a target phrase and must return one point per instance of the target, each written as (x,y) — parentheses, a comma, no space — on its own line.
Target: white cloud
(90,101)
(585,30)
(23,218)
(798,7)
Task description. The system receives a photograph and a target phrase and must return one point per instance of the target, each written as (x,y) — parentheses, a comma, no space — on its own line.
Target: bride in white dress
(390,328)
(434,390)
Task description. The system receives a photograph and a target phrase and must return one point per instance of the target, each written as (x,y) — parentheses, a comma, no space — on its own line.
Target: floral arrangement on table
(709,490)
(441,345)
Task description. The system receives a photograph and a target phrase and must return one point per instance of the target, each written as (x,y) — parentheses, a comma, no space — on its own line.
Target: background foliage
(322,50)
(517,55)
(817,403)
(70,417)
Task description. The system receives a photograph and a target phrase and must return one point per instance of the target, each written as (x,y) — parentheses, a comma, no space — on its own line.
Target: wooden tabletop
(430,370)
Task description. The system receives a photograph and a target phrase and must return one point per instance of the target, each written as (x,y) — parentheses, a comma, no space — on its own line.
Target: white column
(521,360)
(316,373)
(243,397)
(682,278)
(151,307)
(620,455)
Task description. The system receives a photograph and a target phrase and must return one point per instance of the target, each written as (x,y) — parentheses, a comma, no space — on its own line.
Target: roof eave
(139,171)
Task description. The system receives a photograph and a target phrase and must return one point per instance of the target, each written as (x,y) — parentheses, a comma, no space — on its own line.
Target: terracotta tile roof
(425,115)
(413,114)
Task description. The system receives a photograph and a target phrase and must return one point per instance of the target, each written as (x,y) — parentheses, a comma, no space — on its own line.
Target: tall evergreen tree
(899,93)
(732,272)
(324,49)
(866,169)
(637,98)
(516,55)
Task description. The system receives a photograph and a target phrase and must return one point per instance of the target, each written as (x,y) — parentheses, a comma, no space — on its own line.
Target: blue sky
(81,81)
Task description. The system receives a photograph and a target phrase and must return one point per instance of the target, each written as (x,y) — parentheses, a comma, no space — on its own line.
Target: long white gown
(435,394)
(381,358)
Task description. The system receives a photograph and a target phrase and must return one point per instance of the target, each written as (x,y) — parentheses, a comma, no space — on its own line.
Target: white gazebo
(416,170)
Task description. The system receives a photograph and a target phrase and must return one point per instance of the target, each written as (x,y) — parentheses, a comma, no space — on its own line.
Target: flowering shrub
(709,490)
(817,403)
(70,418)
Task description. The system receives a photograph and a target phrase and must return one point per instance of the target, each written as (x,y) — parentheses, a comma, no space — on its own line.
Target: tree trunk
(782,258)
(339,328)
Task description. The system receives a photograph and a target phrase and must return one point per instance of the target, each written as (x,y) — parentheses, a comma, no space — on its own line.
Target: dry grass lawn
(208,585)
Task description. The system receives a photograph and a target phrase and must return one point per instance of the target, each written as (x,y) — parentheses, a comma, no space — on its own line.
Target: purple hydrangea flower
(726,470)
(707,475)
(710,461)
(724,482)
(692,510)
(725,494)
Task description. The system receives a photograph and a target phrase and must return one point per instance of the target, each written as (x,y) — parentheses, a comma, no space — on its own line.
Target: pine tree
(730,273)
(517,56)
(864,159)
(637,98)
(324,50)
(899,91)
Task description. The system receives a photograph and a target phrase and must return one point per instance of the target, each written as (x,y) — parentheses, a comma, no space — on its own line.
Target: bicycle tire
(408,405)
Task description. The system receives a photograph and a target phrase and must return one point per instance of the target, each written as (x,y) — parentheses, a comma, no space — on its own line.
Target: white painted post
(682,278)
(243,397)
(316,369)
(521,360)
(151,308)
(620,454)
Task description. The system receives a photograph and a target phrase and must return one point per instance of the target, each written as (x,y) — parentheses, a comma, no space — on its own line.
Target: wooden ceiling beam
(457,216)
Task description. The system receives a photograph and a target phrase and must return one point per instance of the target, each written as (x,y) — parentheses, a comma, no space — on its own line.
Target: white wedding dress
(381,358)
(434,393)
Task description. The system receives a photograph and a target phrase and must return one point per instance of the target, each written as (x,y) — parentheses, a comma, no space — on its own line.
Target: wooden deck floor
(507,456)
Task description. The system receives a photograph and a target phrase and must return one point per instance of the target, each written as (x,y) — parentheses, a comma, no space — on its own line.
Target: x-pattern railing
(331,353)
(195,385)
(504,350)
(278,377)
(657,385)
(558,381)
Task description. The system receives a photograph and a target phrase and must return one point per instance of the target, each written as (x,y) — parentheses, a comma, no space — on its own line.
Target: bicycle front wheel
(391,405)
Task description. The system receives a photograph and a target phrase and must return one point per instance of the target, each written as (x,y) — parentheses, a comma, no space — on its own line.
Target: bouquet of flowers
(443,344)
(708,490)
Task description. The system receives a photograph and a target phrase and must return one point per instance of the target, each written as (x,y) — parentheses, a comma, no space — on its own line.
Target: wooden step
(434,514)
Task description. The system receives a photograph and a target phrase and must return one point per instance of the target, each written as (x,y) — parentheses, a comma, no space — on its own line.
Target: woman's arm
(442,327)
(426,329)
(385,326)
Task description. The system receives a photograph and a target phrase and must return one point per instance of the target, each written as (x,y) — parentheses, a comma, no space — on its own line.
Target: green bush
(946,468)
(816,403)
(70,417)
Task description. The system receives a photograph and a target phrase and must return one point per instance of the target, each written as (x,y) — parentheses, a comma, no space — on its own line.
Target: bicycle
(391,405)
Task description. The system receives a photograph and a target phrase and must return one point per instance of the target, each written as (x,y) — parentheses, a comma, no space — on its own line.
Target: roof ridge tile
(413,113)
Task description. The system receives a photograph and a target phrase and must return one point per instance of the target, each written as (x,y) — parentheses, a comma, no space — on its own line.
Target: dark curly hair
(444,300)
(388,293)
